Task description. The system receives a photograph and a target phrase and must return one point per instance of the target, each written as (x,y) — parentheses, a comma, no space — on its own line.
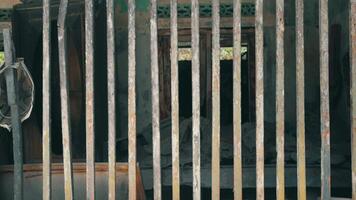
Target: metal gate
(132,162)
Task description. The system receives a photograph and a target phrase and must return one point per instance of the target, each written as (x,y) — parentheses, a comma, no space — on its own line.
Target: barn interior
(26,20)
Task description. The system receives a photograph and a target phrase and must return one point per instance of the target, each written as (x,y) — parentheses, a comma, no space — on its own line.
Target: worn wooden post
(46,102)
(132,99)
(324,99)
(12,99)
(175,102)
(353,91)
(196,99)
(237,100)
(280,98)
(215,175)
(300,100)
(89,98)
(65,109)
(111,74)
(259,102)
(155,104)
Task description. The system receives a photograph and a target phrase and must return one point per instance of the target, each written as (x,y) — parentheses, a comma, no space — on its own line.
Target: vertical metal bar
(237,100)
(196,99)
(215,178)
(259,102)
(155,104)
(12,99)
(324,98)
(65,109)
(132,100)
(300,100)
(111,73)
(353,90)
(280,98)
(46,102)
(89,100)
(175,102)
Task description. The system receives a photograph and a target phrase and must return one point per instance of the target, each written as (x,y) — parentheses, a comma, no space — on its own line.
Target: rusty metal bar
(12,99)
(259,102)
(353,91)
(175,102)
(89,98)
(65,109)
(196,99)
(155,104)
(324,99)
(280,99)
(111,73)
(46,102)
(215,175)
(132,99)
(300,100)
(237,100)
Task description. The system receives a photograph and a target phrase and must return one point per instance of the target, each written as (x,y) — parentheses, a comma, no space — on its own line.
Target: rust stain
(324,97)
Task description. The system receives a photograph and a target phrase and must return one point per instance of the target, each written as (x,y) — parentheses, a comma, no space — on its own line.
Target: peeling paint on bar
(65,109)
(324,99)
(196,100)
(300,100)
(175,102)
(89,100)
(353,91)
(11,87)
(46,106)
(111,73)
(237,101)
(259,102)
(215,179)
(280,99)
(157,193)
(132,100)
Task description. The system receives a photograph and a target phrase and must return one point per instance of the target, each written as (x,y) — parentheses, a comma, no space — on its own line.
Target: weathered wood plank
(155,104)
(353,91)
(280,99)
(46,101)
(65,109)
(259,102)
(111,76)
(300,101)
(237,101)
(89,98)
(196,99)
(11,86)
(175,102)
(132,99)
(324,99)
(215,175)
